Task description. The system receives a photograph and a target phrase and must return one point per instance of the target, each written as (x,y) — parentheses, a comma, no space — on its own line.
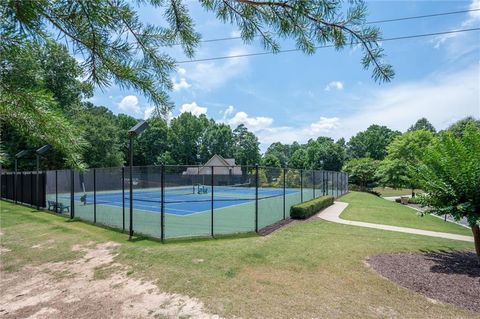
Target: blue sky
(293,96)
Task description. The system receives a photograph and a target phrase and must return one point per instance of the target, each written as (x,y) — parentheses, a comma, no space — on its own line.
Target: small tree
(450,176)
(361,171)
(400,167)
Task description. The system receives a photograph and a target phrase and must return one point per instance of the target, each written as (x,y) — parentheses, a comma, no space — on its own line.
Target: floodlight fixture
(22,154)
(138,129)
(44,149)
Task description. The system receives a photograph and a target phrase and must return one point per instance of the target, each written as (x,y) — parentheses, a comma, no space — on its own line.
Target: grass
(309,269)
(370,208)
(390,192)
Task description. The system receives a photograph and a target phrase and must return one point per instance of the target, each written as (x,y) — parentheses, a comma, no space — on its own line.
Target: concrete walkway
(333,212)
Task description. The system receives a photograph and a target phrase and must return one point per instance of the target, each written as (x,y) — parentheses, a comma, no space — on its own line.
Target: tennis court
(195,201)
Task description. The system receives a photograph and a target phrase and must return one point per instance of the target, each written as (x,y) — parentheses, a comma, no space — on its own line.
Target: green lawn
(370,208)
(390,192)
(309,269)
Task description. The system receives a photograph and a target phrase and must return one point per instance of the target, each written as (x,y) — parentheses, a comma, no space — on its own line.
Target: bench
(57,207)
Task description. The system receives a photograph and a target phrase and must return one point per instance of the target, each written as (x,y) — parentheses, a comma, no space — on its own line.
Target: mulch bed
(274,227)
(450,277)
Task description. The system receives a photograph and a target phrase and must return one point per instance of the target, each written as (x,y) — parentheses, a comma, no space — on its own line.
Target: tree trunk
(413,193)
(476,239)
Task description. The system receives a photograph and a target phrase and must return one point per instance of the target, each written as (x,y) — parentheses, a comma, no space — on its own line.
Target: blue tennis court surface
(181,204)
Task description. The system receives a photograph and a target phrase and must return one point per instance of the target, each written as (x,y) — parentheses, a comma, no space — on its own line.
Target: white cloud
(235,33)
(182,84)
(214,74)
(254,124)
(324,126)
(193,108)
(148,112)
(472,19)
(228,111)
(129,104)
(334,85)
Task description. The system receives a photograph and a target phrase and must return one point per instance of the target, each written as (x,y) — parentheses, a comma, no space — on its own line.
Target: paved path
(333,212)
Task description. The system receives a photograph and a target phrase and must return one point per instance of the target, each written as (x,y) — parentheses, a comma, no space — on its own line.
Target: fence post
(284,192)
(94,195)
(37,183)
(212,205)
(301,185)
(56,190)
(72,191)
(256,198)
(326,184)
(123,198)
(323,182)
(313,182)
(162,202)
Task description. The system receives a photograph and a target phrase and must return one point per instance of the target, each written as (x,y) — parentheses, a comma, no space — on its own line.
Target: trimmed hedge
(310,208)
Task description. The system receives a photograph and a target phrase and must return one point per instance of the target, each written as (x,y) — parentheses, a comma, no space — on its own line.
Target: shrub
(310,208)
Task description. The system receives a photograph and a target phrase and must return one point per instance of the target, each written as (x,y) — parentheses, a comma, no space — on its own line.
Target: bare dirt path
(93,286)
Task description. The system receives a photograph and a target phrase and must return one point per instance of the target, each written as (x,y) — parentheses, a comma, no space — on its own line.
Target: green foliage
(310,208)
(292,179)
(246,146)
(298,158)
(37,97)
(400,167)
(324,153)
(371,143)
(102,135)
(361,171)
(422,124)
(450,175)
(459,127)
(185,135)
(216,139)
(280,151)
(270,160)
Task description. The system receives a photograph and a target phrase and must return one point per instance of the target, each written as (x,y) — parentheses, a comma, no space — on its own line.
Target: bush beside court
(310,208)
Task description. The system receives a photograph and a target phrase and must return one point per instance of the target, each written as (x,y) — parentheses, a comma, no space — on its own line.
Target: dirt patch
(450,277)
(45,292)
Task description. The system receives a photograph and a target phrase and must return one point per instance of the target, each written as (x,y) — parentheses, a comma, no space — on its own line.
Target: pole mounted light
(39,152)
(18,156)
(132,133)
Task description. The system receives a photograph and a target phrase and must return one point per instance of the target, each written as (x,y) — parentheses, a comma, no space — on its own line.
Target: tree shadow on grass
(454,262)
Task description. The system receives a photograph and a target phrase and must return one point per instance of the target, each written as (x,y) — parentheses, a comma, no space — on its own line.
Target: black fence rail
(175,201)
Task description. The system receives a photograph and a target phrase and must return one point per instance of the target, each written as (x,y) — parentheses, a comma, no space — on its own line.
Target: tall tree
(324,153)
(279,151)
(185,137)
(119,48)
(422,124)
(450,176)
(371,143)
(101,133)
(216,139)
(246,150)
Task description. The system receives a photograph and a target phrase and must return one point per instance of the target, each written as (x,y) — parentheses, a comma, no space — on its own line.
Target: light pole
(18,156)
(132,133)
(41,151)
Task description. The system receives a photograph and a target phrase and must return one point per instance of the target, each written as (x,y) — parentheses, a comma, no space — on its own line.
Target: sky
(290,97)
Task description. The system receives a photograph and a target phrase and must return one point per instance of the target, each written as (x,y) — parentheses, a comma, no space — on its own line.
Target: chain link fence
(175,201)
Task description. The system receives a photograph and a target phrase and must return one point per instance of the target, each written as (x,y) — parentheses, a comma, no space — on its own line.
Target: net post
(94,195)
(301,185)
(212,206)
(123,198)
(256,198)
(72,191)
(284,192)
(162,202)
(56,191)
(313,182)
